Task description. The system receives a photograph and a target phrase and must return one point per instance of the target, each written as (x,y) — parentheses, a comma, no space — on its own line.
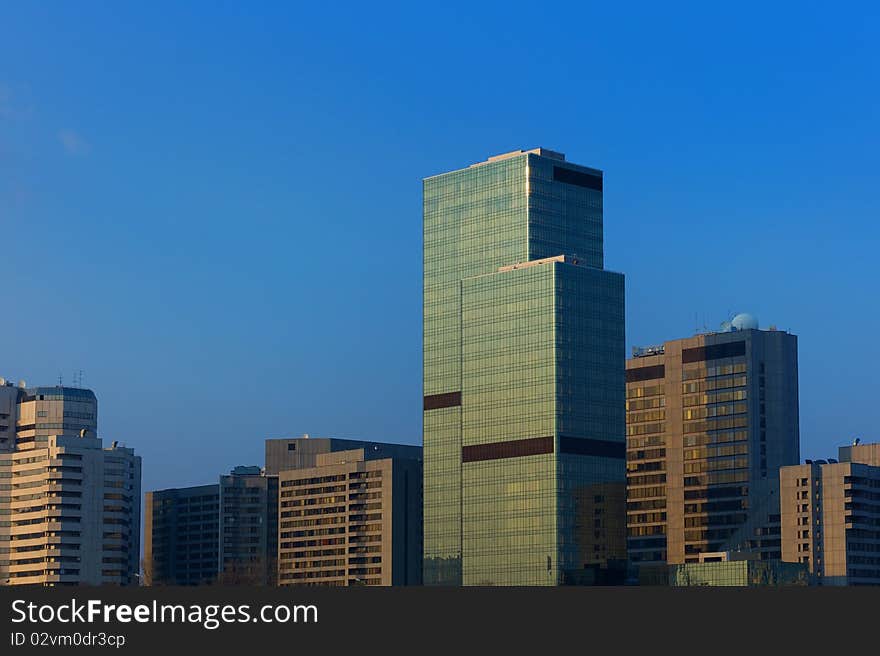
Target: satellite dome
(744,321)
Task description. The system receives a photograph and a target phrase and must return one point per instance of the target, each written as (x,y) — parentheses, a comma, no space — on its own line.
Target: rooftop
(542,152)
(567,259)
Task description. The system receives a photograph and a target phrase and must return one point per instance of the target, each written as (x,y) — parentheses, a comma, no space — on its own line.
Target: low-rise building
(746,573)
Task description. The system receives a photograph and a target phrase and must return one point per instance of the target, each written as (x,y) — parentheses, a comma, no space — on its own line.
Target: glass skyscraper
(524,392)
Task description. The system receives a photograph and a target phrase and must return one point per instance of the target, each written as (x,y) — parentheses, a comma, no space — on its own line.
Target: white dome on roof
(744,321)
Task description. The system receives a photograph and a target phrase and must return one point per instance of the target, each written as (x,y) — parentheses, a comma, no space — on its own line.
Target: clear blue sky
(214,209)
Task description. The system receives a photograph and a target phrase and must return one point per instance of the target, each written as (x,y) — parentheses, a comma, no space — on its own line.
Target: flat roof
(540,151)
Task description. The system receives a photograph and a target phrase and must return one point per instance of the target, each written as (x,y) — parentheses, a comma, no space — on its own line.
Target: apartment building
(831,516)
(352,519)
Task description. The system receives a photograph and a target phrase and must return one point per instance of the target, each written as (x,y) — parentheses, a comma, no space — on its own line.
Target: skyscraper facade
(181,535)
(710,420)
(523,386)
(248,541)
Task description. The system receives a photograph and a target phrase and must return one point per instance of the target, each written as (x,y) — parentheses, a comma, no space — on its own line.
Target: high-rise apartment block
(248,542)
(225,533)
(69,506)
(523,369)
(354,518)
(350,514)
(710,420)
(831,516)
(181,535)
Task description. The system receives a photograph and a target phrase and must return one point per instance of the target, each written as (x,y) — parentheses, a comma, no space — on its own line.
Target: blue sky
(214,209)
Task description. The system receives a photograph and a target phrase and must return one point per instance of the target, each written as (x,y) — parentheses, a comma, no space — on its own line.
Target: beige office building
(69,507)
(831,516)
(710,419)
(352,519)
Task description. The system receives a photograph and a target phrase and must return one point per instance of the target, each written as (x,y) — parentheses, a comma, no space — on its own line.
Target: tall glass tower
(524,392)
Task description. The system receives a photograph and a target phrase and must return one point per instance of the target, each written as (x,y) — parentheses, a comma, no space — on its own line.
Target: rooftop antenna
(60,381)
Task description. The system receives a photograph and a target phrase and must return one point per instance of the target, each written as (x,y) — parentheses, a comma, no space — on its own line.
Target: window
(713,352)
(577,178)
(437,401)
(639,374)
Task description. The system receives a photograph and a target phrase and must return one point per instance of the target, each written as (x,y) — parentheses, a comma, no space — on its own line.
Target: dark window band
(645,373)
(713,352)
(570,176)
(534,446)
(588,447)
(531,446)
(447,400)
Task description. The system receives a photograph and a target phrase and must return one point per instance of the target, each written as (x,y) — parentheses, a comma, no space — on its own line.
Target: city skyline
(194,247)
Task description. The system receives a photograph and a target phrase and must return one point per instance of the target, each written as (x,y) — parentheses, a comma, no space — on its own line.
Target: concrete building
(354,518)
(181,536)
(710,420)
(69,506)
(523,347)
(225,533)
(45,411)
(831,516)
(867,454)
(9,395)
(248,539)
(229,532)
(288,453)
(72,513)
